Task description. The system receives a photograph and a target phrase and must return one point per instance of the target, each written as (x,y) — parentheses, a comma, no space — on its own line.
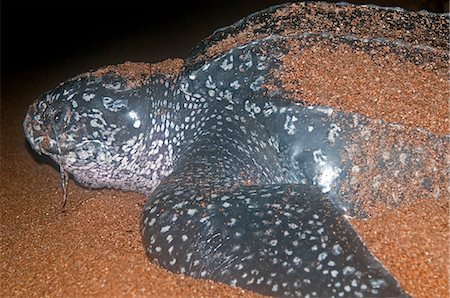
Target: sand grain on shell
(137,74)
(344,20)
(381,86)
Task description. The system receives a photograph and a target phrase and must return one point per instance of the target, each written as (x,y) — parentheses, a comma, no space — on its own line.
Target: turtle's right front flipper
(279,240)
(214,219)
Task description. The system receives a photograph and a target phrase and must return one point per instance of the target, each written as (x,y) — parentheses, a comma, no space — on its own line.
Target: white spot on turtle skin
(325,110)
(87,97)
(318,156)
(326,178)
(152,222)
(94,123)
(134,116)
(235,85)
(322,256)
(256,85)
(204,219)
(293,226)
(289,124)
(165,229)
(113,86)
(226,66)
(191,211)
(337,249)
(327,173)
(236,247)
(137,124)
(209,83)
(333,132)
(348,270)
(113,105)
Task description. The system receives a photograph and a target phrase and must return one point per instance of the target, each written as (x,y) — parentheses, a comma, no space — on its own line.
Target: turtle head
(92,126)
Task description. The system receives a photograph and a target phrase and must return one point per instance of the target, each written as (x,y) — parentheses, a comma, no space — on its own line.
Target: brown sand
(412,242)
(138,73)
(94,248)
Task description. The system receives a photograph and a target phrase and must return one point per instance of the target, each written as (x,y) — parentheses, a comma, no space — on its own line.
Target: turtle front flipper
(279,240)
(226,214)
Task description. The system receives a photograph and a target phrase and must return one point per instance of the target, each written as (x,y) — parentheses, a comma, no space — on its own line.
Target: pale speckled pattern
(243,186)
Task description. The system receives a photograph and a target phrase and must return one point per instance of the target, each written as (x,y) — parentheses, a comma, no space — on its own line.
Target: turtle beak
(32,127)
(39,134)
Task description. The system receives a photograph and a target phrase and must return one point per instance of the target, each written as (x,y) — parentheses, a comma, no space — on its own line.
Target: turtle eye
(57,117)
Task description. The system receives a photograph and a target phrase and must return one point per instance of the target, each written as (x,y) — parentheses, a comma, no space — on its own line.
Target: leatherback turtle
(245,186)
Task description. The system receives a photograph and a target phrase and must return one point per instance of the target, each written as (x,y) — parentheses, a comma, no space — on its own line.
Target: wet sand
(94,248)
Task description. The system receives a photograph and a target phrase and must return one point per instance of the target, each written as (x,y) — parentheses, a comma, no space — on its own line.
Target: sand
(94,247)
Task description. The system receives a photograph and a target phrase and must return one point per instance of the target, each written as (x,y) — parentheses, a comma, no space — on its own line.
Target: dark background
(90,34)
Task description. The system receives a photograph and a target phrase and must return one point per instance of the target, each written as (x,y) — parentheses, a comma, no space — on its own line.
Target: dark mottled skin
(243,185)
